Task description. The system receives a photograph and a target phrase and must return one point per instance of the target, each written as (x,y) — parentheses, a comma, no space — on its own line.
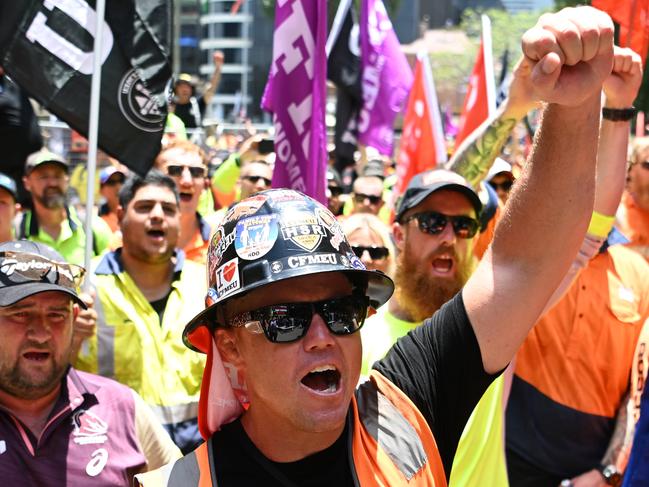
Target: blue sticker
(255,236)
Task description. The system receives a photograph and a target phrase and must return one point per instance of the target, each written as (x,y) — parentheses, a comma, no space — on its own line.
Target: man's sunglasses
(255,179)
(285,323)
(114,181)
(177,171)
(374,200)
(376,253)
(22,267)
(434,223)
(335,190)
(505,185)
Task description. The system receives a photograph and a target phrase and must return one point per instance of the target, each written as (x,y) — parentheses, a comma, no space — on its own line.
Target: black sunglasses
(376,253)
(434,223)
(360,198)
(285,323)
(177,171)
(505,185)
(335,190)
(255,179)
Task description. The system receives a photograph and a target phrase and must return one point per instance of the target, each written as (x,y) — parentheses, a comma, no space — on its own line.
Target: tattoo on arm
(619,446)
(476,158)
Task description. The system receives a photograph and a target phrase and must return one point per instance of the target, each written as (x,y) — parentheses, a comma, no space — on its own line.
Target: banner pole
(92,136)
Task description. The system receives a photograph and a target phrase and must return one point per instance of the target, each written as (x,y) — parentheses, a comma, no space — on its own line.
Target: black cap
(44,156)
(25,255)
(422,185)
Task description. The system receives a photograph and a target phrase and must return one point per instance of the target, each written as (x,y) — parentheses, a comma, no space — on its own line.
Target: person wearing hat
(189,108)
(51,220)
(287,296)
(111,179)
(334,191)
(501,178)
(60,426)
(8,207)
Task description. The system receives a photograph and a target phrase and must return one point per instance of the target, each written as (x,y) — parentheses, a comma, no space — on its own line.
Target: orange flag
(480,99)
(633,18)
(422,140)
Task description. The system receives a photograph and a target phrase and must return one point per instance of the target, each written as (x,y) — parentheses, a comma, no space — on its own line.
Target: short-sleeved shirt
(573,369)
(96,434)
(481,451)
(438,365)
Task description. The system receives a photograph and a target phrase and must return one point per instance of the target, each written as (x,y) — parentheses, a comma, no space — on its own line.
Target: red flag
(633,18)
(480,100)
(422,140)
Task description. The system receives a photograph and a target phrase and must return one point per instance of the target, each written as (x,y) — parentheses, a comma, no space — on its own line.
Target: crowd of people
(487,327)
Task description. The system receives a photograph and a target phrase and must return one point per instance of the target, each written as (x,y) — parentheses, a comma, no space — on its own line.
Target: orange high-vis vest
(392,446)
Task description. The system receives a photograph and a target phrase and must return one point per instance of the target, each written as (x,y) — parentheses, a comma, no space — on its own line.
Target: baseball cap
(41,157)
(374,168)
(28,268)
(499,165)
(8,184)
(422,185)
(107,172)
(185,78)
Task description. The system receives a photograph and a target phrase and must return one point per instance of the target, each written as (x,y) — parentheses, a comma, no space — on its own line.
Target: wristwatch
(611,475)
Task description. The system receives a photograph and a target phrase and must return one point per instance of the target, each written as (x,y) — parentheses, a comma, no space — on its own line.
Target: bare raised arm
(569,54)
(479,150)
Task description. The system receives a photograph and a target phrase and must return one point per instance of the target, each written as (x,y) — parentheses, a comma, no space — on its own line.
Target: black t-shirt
(438,365)
(187,113)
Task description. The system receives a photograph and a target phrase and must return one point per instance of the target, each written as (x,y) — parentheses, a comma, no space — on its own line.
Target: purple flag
(386,79)
(295,94)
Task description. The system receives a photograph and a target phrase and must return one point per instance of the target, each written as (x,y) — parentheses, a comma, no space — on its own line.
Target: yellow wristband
(600,224)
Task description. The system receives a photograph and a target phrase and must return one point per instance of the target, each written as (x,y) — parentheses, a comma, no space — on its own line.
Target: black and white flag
(47,48)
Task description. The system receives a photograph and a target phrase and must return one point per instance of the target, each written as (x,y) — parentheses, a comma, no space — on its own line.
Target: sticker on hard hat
(227,278)
(246,207)
(311,259)
(255,236)
(304,230)
(218,247)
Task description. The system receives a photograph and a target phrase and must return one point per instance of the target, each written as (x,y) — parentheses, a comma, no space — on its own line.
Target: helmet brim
(197,333)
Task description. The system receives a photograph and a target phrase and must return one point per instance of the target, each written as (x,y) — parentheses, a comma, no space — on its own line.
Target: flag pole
(93,127)
(488,63)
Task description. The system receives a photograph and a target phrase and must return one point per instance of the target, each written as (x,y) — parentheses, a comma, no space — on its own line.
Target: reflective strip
(391,430)
(177,413)
(105,342)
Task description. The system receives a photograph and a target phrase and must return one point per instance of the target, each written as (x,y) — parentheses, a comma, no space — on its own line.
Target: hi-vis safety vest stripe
(392,446)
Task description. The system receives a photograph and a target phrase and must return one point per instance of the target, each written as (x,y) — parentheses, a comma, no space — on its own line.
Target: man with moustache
(59,426)
(146,291)
(52,221)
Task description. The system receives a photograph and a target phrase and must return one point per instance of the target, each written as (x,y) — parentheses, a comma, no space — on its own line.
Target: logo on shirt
(88,428)
(97,462)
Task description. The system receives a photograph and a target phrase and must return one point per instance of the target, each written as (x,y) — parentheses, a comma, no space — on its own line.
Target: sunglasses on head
(22,267)
(335,190)
(195,171)
(505,185)
(375,253)
(255,179)
(434,223)
(360,198)
(285,323)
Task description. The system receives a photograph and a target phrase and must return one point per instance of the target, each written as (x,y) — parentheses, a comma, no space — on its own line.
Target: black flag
(47,48)
(344,70)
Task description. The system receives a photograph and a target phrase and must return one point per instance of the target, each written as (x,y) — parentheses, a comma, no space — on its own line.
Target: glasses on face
(335,191)
(22,267)
(360,198)
(177,171)
(114,182)
(375,253)
(255,180)
(285,323)
(434,223)
(505,185)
